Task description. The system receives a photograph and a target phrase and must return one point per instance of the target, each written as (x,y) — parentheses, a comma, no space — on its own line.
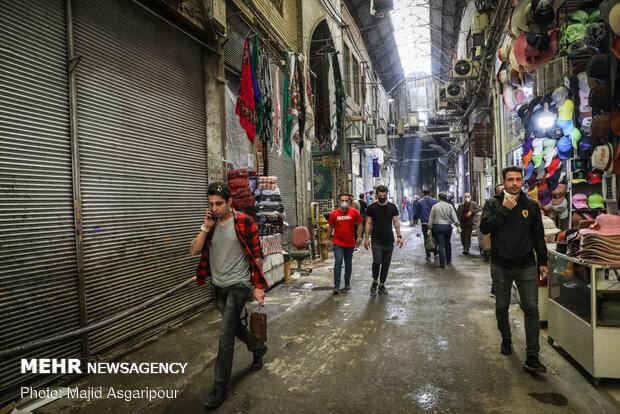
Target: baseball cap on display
(595,201)
(579,177)
(542,184)
(528,171)
(543,12)
(561,208)
(584,97)
(537,145)
(549,144)
(614,19)
(580,16)
(565,111)
(585,147)
(555,163)
(574,32)
(527,146)
(596,36)
(598,68)
(565,148)
(582,78)
(575,136)
(548,158)
(585,110)
(558,196)
(600,127)
(544,196)
(533,193)
(531,182)
(614,119)
(537,160)
(599,97)
(594,177)
(559,95)
(579,165)
(602,158)
(540,173)
(580,201)
(554,180)
(617,161)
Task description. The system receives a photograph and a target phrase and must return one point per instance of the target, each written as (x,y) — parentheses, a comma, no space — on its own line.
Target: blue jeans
(443,234)
(340,254)
(527,284)
(231,302)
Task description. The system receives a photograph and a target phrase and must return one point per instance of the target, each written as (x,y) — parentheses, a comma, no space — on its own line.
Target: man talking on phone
(231,254)
(515,223)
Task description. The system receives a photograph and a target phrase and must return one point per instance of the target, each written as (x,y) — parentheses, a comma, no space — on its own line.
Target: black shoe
(449,263)
(465,252)
(216,398)
(435,255)
(506,347)
(373,289)
(442,266)
(335,290)
(492,294)
(428,258)
(532,364)
(257,362)
(347,286)
(383,290)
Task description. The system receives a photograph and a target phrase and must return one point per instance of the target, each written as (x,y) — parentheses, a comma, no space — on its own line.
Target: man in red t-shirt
(342,222)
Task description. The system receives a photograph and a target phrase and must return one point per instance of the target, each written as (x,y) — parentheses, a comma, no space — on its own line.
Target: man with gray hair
(440,223)
(465,212)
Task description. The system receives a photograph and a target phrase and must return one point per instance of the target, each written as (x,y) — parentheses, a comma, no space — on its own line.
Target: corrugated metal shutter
(37,243)
(141,114)
(233,48)
(284,169)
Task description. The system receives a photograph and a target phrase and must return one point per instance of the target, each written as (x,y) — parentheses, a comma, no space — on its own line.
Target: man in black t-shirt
(379,219)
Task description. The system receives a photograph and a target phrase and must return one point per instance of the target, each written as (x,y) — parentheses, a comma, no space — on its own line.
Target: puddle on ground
(396,315)
(552,398)
(426,397)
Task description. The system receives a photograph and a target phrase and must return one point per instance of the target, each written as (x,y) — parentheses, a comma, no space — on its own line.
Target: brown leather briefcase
(258,327)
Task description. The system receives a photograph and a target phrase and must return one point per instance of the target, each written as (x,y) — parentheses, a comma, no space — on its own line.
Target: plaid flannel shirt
(247,234)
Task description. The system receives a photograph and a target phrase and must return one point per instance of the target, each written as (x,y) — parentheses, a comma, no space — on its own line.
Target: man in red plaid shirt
(232,256)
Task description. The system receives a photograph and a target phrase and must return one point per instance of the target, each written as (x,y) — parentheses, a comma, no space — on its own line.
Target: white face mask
(467,199)
(344,205)
(507,194)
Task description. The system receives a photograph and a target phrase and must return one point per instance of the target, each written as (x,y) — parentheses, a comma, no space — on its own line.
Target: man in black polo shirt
(379,219)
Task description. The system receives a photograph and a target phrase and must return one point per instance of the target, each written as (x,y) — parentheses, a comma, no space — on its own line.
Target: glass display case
(584,313)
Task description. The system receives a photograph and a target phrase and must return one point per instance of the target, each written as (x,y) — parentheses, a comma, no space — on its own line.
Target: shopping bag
(430,243)
(258,327)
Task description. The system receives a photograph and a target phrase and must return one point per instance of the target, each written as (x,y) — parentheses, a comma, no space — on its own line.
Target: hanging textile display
(291,124)
(375,167)
(323,132)
(301,113)
(245,101)
(308,100)
(265,83)
(276,143)
(333,115)
(341,99)
(256,80)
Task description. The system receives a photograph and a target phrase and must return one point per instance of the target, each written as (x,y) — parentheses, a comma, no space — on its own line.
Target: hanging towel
(370,165)
(245,101)
(308,101)
(322,104)
(276,143)
(333,119)
(291,138)
(375,167)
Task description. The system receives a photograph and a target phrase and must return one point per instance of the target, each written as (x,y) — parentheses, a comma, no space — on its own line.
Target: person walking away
(440,224)
(362,210)
(421,212)
(380,217)
(410,206)
(515,223)
(404,209)
(465,212)
(343,222)
(231,256)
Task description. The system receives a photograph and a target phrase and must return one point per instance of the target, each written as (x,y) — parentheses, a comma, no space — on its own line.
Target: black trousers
(425,234)
(381,259)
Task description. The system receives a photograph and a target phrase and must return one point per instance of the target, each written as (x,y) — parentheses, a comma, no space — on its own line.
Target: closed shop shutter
(141,114)
(284,169)
(37,242)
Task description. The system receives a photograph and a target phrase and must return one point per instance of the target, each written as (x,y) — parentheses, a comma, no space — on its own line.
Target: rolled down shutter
(141,114)
(39,296)
(284,168)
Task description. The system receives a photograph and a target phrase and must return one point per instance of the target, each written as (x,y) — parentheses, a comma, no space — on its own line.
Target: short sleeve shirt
(344,226)
(382,222)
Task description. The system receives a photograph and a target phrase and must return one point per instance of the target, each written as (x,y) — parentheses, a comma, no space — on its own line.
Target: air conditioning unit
(216,12)
(355,130)
(454,92)
(441,98)
(481,22)
(465,69)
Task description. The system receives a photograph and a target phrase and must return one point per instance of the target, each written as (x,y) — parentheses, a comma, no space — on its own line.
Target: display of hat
(599,97)
(594,177)
(526,158)
(580,16)
(554,180)
(555,163)
(544,196)
(559,95)
(540,174)
(565,148)
(596,36)
(579,165)
(565,110)
(548,158)
(595,201)
(558,196)
(580,201)
(542,11)
(614,19)
(602,158)
(528,170)
(594,16)
(522,16)
(582,77)
(585,147)
(533,193)
(573,32)
(617,161)
(548,145)
(515,79)
(614,119)
(527,146)
(598,68)
(531,182)
(605,225)
(579,177)
(536,160)
(537,146)
(523,111)
(575,136)
(585,110)
(600,127)
(512,97)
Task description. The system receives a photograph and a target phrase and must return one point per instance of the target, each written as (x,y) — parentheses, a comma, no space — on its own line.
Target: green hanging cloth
(286,111)
(260,107)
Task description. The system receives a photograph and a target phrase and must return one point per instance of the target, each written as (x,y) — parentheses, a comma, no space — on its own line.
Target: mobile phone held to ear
(212,216)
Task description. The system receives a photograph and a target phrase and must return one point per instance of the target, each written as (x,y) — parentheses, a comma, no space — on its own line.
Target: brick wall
(274,16)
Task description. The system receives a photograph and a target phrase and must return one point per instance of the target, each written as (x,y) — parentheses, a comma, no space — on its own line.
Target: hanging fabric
(258,96)
(286,138)
(301,104)
(322,104)
(246,109)
(341,99)
(371,169)
(276,143)
(266,85)
(375,167)
(333,118)
(291,138)
(306,90)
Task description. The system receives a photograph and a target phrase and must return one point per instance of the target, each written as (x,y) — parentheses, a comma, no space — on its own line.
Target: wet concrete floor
(431,345)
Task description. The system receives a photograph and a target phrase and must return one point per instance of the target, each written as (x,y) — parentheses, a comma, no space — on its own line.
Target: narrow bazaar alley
(431,345)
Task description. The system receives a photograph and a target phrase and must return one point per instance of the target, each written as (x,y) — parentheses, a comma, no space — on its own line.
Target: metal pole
(72,61)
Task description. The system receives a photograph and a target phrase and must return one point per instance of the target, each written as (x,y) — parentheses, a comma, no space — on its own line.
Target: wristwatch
(399,237)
